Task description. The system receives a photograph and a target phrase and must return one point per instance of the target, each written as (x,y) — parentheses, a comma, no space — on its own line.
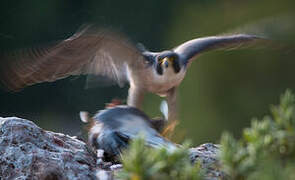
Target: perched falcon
(108,54)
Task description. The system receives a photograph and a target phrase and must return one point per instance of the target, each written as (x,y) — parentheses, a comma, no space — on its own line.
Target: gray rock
(207,156)
(29,152)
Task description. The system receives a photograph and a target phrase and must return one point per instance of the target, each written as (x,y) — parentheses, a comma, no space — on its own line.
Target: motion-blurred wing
(87,52)
(188,50)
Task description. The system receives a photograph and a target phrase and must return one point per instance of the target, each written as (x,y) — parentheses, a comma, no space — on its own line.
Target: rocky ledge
(29,152)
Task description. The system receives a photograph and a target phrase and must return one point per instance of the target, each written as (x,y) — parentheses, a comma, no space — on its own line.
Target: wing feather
(190,49)
(89,51)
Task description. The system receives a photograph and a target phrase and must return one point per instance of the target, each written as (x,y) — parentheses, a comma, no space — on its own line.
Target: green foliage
(143,163)
(266,149)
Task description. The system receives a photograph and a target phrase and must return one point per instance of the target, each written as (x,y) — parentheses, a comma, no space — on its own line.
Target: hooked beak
(166,61)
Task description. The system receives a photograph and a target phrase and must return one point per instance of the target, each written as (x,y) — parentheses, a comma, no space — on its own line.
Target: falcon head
(167,60)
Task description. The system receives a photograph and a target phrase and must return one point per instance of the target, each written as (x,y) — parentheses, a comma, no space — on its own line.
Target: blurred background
(222,91)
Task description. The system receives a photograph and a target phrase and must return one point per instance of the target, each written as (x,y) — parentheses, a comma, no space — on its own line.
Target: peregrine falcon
(112,55)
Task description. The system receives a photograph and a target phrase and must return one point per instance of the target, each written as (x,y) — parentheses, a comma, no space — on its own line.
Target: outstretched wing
(89,51)
(190,49)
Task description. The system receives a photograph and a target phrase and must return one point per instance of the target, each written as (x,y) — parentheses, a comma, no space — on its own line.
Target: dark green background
(222,90)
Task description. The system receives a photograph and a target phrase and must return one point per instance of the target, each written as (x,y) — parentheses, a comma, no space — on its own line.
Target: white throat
(160,84)
(169,75)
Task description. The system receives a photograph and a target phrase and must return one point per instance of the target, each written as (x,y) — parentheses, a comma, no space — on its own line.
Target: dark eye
(160,59)
(148,59)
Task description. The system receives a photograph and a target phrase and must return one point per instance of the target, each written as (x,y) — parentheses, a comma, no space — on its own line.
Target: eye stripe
(176,66)
(159,69)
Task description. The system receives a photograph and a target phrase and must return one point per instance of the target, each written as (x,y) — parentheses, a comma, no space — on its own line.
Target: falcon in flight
(111,55)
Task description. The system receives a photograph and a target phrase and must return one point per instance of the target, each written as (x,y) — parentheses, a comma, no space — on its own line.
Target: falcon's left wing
(190,49)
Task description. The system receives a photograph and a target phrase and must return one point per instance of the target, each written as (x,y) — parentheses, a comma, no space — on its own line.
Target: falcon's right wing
(89,51)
